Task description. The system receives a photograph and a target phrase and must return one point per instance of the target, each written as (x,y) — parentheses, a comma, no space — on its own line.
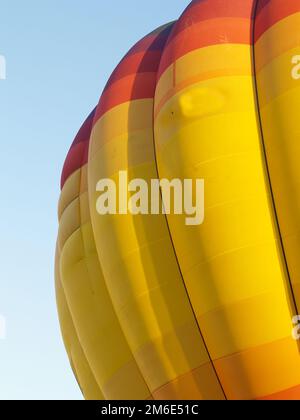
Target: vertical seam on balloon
(177,259)
(90,282)
(265,159)
(98,258)
(84,250)
(174,74)
(184,284)
(71,359)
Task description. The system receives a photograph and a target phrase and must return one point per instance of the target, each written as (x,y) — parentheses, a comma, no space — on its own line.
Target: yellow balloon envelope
(151,308)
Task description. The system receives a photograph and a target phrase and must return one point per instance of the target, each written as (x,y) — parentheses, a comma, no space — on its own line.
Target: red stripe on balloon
(78,153)
(136,63)
(133,87)
(135,76)
(201,10)
(271,12)
(204,34)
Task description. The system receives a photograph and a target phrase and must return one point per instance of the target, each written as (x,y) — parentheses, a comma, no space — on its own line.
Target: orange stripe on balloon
(135,76)
(292,394)
(198,384)
(199,11)
(204,34)
(133,87)
(136,63)
(272,12)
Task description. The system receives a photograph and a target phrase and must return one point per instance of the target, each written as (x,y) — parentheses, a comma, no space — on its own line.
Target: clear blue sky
(59,55)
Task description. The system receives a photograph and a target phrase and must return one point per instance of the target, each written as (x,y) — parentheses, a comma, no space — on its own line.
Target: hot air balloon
(149,307)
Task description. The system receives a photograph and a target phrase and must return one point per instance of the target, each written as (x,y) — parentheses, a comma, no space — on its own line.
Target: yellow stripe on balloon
(199,65)
(280,69)
(277,40)
(151,308)
(232,265)
(79,363)
(95,321)
(104,348)
(139,265)
(279,104)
